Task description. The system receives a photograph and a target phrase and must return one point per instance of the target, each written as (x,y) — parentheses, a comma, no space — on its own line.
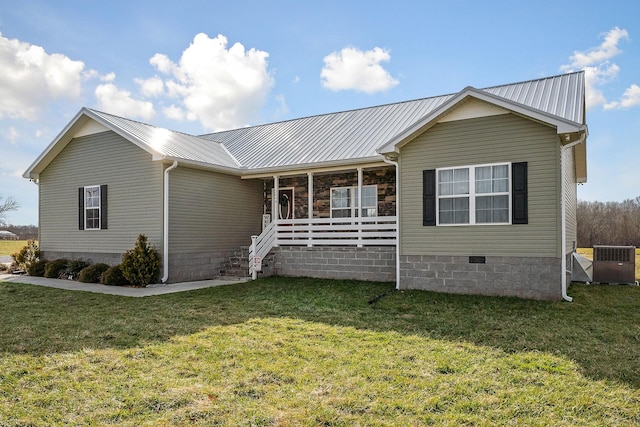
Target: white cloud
(605,51)
(151,87)
(30,78)
(17,173)
(109,77)
(630,98)
(599,70)
(120,102)
(12,134)
(14,173)
(595,77)
(176,113)
(221,87)
(353,69)
(282,108)
(162,63)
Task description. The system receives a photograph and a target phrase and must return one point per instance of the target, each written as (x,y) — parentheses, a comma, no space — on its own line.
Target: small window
(92,207)
(474,195)
(344,202)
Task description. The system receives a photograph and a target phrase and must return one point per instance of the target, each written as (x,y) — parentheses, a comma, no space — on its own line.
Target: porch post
(359,213)
(275,202)
(275,213)
(310,202)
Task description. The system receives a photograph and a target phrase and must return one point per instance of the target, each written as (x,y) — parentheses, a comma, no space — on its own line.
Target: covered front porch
(330,221)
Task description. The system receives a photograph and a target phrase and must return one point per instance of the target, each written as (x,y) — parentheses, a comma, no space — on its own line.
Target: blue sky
(198,66)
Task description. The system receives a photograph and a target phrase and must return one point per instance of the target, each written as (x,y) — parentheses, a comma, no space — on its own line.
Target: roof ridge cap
(534,80)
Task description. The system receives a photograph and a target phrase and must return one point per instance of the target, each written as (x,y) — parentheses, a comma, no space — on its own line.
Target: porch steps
(238,264)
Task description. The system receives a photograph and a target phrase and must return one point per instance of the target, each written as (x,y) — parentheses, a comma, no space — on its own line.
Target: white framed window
(344,201)
(471,195)
(92,207)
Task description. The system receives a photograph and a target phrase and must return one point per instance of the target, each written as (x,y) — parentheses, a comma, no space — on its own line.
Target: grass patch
(8,247)
(312,352)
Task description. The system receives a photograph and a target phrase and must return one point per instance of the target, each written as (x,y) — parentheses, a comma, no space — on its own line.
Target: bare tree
(24,232)
(610,223)
(6,205)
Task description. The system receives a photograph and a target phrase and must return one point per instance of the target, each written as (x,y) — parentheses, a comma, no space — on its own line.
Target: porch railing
(365,231)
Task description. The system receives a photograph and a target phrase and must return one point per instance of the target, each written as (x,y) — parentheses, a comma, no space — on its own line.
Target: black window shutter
(520,210)
(81,208)
(429,197)
(103,207)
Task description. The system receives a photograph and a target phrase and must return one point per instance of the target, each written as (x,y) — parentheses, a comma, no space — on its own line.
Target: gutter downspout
(165,225)
(564,216)
(36,181)
(395,163)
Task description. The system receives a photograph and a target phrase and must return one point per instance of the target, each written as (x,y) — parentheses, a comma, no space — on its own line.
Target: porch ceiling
(303,170)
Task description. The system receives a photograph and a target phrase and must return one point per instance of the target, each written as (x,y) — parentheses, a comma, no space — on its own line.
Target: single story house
(472,192)
(7,235)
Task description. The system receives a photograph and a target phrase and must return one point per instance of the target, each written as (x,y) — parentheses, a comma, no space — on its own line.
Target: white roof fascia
(53,149)
(332,166)
(199,165)
(66,135)
(158,155)
(403,138)
(126,135)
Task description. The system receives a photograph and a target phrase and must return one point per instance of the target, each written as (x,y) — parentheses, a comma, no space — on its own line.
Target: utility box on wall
(614,264)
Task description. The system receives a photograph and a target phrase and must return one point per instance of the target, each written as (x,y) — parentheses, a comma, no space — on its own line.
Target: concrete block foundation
(327,262)
(524,277)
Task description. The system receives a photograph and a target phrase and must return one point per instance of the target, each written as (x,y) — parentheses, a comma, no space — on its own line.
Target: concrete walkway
(158,289)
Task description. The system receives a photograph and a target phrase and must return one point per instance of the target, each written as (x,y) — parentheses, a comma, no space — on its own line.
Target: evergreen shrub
(28,255)
(37,268)
(73,269)
(54,268)
(113,277)
(141,265)
(92,273)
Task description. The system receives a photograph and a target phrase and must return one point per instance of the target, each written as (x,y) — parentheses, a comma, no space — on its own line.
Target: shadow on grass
(600,330)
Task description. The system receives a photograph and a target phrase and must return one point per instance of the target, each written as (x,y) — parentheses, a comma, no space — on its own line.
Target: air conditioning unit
(614,264)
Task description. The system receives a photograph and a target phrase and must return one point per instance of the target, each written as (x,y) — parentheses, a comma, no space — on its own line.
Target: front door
(285,203)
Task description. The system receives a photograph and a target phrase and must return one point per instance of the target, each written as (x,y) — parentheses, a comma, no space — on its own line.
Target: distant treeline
(609,223)
(24,232)
(599,223)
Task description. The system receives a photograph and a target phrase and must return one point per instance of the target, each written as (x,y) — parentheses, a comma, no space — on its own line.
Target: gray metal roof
(356,134)
(168,143)
(561,96)
(333,137)
(337,138)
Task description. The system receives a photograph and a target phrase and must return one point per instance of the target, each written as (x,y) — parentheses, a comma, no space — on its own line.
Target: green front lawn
(292,352)
(9,247)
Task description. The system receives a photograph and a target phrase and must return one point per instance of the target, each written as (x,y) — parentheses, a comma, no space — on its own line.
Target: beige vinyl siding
(494,139)
(134,195)
(571,198)
(212,212)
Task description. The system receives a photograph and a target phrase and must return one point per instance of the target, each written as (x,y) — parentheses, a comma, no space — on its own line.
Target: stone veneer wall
(525,277)
(383,177)
(328,262)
